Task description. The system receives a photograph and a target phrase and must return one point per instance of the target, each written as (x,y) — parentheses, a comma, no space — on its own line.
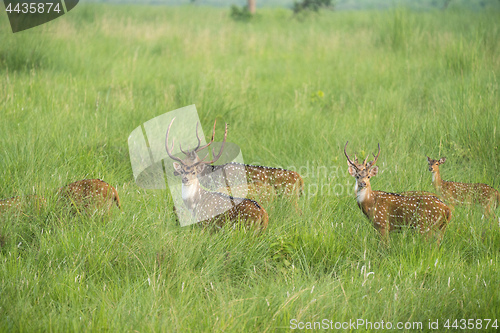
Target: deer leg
(439,234)
(491,214)
(290,193)
(296,196)
(496,217)
(487,209)
(297,208)
(384,234)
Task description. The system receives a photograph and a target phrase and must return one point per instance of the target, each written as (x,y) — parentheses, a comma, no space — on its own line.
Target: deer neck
(191,194)
(436,180)
(365,198)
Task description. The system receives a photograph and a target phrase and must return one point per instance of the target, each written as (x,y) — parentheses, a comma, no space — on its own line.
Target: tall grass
(293,92)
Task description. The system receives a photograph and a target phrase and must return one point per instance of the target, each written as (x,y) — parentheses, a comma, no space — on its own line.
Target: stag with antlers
(390,211)
(212,208)
(263,182)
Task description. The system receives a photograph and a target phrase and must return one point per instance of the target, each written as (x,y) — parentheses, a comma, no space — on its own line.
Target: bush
(313,5)
(240,13)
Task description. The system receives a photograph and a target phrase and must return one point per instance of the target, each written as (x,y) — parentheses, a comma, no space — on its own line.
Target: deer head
(362,172)
(192,165)
(434,164)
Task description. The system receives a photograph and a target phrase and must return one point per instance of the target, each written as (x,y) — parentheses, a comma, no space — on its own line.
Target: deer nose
(361,183)
(430,168)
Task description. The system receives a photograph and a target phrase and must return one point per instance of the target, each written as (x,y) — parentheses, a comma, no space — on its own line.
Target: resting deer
(259,178)
(390,211)
(284,182)
(212,208)
(87,195)
(21,204)
(463,193)
(90,195)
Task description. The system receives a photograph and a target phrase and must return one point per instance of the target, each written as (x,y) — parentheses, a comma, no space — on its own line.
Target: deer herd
(429,213)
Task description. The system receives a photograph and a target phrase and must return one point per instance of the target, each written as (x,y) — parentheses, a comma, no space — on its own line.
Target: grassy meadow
(293,90)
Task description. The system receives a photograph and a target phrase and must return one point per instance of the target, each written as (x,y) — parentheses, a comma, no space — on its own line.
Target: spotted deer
(463,193)
(212,208)
(89,195)
(419,193)
(23,203)
(285,182)
(391,211)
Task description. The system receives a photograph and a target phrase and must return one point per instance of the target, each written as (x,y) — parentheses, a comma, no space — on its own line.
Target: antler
(348,159)
(198,148)
(369,165)
(216,157)
(166,145)
(376,157)
(184,152)
(366,159)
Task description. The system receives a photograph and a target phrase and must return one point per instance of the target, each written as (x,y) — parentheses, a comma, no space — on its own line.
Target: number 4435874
(33,7)
(471,324)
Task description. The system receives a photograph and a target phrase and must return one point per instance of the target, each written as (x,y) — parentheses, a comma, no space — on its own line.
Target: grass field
(293,91)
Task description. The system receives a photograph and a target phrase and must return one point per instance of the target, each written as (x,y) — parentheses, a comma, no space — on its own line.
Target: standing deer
(390,211)
(419,193)
(90,195)
(463,193)
(212,208)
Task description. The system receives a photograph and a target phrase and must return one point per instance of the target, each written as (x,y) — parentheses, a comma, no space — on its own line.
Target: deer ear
(429,159)
(442,160)
(373,171)
(177,169)
(200,167)
(352,171)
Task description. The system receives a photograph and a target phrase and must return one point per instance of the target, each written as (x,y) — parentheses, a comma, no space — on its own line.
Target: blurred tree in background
(313,5)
